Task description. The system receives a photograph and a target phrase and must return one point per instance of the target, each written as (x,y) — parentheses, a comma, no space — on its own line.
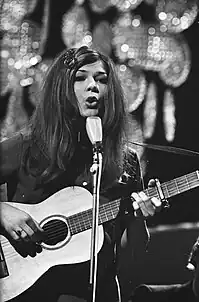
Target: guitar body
(51,213)
(66,218)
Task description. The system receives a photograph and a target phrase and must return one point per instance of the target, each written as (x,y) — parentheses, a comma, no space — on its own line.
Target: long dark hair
(52,121)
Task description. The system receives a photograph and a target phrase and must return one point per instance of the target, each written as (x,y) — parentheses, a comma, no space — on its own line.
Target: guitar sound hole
(55,231)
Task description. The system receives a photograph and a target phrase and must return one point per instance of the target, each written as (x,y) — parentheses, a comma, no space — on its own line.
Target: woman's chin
(89,112)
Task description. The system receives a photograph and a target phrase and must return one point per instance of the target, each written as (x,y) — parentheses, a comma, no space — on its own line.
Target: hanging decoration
(169,120)
(100,6)
(126,5)
(12,14)
(26,53)
(150,111)
(136,136)
(10,20)
(147,47)
(128,37)
(23,43)
(134,86)
(175,70)
(75,27)
(8,125)
(176,15)
(102,37)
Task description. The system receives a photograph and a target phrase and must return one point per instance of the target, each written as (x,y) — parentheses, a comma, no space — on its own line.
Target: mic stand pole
(96,170)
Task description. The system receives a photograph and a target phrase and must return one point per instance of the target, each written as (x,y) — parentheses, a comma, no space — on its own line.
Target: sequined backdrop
(154,46)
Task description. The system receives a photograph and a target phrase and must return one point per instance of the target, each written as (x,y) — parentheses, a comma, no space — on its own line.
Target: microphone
(94,131)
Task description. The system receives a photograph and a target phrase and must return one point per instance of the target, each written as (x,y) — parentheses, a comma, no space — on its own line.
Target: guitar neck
(110,210)
(176,186)
(107,212)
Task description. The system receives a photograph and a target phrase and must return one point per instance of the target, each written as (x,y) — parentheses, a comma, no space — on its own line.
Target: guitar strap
(176,150)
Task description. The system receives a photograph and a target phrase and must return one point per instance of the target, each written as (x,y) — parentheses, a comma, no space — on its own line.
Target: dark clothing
(26,187)
(164,293)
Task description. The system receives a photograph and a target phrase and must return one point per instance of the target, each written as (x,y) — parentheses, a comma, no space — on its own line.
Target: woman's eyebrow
(96,73)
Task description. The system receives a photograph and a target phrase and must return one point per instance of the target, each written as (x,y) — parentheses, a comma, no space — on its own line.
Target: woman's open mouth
(92,102)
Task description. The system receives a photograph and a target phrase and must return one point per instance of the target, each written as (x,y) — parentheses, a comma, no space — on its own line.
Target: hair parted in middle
(52,121)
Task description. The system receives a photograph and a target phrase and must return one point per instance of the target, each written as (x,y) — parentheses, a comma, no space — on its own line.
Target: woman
(56,153)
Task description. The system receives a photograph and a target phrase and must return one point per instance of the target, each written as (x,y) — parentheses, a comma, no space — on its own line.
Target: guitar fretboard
(83,221)
(176,186)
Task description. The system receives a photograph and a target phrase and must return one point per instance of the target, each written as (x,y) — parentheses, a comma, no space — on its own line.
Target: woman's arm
(15,224)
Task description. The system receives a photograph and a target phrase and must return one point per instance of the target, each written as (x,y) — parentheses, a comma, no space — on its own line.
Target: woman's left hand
(145,206)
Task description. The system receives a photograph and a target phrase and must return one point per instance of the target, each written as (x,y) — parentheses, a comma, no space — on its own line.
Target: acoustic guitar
(66,218)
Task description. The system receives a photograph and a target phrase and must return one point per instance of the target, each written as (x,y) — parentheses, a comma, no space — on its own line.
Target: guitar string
(57,225)
(13,253)
(58,230)
(86,222)
(74,220)
(172,187)
(61,234)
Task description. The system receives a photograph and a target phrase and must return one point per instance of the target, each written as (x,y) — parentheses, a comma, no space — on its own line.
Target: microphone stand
(96,170)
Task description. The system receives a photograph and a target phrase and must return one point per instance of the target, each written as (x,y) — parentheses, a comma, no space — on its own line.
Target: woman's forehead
(96,66)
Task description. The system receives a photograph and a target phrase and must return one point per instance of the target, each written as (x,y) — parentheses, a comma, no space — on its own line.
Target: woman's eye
(79,78)
(102,80)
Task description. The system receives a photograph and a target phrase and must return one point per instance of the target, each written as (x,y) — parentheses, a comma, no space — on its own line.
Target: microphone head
(94,129)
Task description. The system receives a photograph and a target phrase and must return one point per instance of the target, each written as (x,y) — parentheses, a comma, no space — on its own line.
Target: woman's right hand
(24,233)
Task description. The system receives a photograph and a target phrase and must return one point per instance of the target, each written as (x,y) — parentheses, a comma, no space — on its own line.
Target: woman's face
(90,86)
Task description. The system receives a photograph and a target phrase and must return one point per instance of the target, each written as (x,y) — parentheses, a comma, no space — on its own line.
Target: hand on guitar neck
(145,206)
(21,230)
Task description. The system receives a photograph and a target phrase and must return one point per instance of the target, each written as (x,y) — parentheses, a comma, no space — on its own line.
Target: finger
(135,206)
(140,203)
(151,183)
(146,205)
(35,226)
(38,232)
(26,233)
(136,199)
(38,227)
(15,235)
(38,248)
(157,203)
(31,249)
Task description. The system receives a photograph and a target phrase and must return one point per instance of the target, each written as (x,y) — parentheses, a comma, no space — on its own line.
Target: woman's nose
(92,85)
